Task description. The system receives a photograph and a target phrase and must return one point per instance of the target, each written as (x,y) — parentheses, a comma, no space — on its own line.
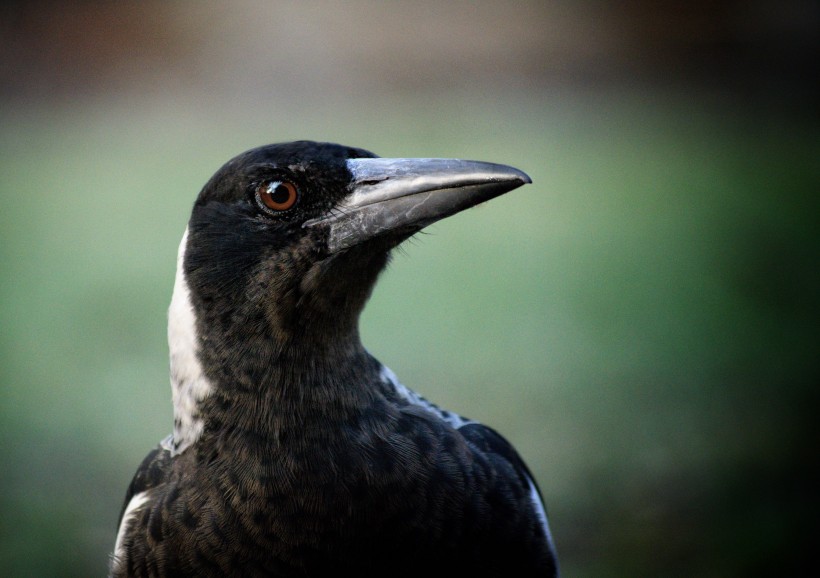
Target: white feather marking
(188,382)
(541,512)
(136,502)
(388,377)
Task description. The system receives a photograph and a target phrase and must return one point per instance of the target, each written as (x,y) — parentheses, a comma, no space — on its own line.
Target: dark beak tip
(518,174)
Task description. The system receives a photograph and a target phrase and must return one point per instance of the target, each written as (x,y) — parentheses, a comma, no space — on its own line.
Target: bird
(294,451)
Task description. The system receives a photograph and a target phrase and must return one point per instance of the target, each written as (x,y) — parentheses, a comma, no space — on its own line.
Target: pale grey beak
(402,196)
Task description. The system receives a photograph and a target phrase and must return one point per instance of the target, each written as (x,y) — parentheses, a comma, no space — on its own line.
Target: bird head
(286,241)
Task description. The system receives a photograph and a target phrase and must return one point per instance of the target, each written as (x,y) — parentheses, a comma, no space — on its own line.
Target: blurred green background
(641,321)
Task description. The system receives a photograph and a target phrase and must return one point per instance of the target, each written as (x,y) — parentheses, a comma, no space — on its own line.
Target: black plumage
(295,452)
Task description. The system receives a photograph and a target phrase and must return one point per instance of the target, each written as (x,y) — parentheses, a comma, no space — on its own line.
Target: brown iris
(277,195)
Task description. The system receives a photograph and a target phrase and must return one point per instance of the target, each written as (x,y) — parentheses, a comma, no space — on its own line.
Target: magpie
(294,452)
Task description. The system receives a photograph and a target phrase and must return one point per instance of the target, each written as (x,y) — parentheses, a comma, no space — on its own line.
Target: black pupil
(280,194)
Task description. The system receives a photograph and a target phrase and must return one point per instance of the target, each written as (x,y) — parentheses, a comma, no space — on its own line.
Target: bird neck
(283,399)
(262,359)
(247,377)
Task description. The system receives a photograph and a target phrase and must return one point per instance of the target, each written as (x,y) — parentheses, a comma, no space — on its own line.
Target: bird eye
(276,196)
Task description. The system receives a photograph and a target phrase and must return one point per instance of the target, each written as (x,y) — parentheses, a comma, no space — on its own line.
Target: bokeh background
(641,321)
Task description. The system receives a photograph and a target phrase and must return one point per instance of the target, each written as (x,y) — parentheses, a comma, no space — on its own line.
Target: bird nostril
(371,182)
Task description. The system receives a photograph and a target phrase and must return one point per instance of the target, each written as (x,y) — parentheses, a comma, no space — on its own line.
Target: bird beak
(402,196)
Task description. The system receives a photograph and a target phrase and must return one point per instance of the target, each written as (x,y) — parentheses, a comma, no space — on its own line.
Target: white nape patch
(389,378)
(541,512)
(188,382)
(136,502)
